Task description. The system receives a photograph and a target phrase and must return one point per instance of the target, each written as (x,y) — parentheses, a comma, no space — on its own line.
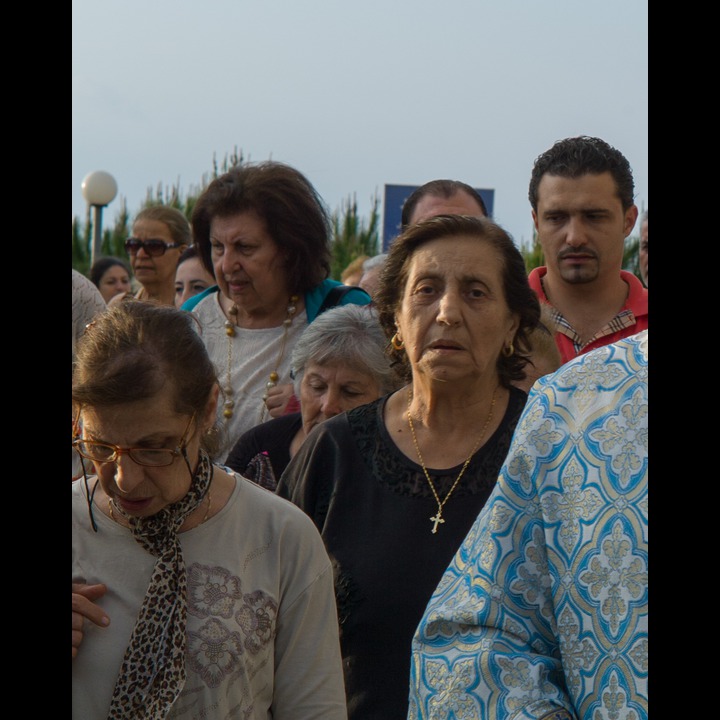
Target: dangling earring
(396,342)
(509,351)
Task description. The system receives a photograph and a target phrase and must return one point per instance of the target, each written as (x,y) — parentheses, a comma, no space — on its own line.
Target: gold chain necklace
(229,404)
(437,518)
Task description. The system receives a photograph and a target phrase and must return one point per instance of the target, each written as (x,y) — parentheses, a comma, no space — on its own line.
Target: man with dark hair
(582,198)
(442,197)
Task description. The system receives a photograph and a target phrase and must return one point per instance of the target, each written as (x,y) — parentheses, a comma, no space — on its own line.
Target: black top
(269,441)
(373,506)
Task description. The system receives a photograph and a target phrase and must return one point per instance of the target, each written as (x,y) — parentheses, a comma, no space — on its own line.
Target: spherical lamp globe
(99,188)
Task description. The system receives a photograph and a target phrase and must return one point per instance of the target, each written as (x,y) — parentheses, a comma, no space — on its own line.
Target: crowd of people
(338,363)
(419,491)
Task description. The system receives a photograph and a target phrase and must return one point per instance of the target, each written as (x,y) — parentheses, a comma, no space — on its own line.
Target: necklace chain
(229,404)
(437,518)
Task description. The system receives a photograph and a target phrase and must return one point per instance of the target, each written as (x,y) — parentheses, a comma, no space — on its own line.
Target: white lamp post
(99,189)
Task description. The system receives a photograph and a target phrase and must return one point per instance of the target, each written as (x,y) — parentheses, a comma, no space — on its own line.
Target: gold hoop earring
(508,351)
(396,342)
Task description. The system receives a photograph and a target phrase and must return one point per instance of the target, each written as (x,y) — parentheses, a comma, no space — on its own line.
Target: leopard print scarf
(153,670)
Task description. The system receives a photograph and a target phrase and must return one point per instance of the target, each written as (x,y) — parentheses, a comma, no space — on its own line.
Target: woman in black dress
(395,485)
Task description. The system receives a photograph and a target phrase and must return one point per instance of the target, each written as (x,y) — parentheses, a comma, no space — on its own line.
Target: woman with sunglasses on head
(196,593)
(159,236)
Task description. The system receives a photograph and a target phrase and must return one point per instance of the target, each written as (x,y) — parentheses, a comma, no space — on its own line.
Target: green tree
(631,256)
(80,246)
(532,253)
(113,238)
(353,236)
(112,241)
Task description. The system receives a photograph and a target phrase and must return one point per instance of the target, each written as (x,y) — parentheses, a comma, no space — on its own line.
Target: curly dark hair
(293,212)
(576,156)
(520,297)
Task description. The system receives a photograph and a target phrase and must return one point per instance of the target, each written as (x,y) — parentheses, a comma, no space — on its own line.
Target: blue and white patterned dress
(543,612)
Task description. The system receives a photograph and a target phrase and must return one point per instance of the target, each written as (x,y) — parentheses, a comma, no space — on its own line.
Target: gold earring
(396,342)
(508,351)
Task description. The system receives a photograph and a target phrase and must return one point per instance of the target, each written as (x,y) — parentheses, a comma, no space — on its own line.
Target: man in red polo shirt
(581,194)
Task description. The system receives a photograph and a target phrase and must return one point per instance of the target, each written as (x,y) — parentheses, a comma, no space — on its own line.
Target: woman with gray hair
(338,363)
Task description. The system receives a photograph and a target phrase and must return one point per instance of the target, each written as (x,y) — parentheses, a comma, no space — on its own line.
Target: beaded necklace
(229,404)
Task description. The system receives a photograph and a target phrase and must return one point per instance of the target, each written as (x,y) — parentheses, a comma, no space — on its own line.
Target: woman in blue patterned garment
(394,485)
(543,612)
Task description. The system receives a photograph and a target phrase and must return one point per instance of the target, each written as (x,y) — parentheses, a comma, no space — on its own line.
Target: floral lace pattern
(391,468)
(234,624)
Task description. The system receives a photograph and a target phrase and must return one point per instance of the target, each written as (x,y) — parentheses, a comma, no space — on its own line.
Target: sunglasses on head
(154,248)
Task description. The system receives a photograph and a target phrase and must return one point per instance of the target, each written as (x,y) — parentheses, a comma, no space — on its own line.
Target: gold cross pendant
(437,519)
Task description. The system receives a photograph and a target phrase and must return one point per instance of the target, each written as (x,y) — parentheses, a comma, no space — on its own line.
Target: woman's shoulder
(347,295)
(265,509)
(253,500)
(258,533)
(79,498)
(517,400)
(271,428)
(208,312)
(192,302)
(358,420)
(342,440)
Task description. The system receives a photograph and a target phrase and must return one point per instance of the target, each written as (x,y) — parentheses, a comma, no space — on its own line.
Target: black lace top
(373,506)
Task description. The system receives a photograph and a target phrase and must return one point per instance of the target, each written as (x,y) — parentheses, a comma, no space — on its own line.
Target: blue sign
(395,196)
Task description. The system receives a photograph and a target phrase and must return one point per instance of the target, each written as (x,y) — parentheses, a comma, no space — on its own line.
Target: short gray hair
(374,261)
(350,334)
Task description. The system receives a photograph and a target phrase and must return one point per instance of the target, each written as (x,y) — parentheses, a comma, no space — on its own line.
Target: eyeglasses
(101,452)
(154,248)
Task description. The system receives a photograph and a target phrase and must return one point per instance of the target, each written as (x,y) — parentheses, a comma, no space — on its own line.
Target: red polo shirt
(630,320)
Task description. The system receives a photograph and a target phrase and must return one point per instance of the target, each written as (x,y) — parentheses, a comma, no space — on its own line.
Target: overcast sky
(354,94)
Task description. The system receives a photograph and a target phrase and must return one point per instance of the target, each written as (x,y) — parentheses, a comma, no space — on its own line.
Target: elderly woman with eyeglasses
(159,236)
(195,592)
